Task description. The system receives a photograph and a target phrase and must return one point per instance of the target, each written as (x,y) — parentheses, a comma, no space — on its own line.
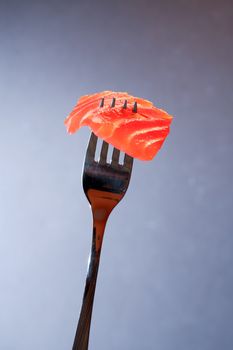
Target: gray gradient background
(166,279)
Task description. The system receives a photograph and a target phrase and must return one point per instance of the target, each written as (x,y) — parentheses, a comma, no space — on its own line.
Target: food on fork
(131,124)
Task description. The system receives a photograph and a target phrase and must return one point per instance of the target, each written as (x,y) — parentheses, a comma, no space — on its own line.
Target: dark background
(166,277)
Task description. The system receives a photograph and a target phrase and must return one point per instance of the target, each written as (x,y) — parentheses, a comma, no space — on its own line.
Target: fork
(104,184)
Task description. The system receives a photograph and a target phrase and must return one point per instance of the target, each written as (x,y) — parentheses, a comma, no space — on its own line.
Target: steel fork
(104,184)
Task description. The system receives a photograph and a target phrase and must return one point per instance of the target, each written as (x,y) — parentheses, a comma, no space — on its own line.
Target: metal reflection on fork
(104,184)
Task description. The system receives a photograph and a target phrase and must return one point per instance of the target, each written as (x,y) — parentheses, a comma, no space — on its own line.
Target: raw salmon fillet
(138,129)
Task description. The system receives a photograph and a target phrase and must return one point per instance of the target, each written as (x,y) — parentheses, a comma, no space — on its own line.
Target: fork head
(111,179)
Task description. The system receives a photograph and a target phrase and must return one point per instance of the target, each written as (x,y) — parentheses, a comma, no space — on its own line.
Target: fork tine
(103,153)
(91,148)
(102,102)
(135,107)
(128,162)
(115,156)
(113,102)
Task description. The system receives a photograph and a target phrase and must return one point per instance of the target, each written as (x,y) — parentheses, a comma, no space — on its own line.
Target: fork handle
(83,329)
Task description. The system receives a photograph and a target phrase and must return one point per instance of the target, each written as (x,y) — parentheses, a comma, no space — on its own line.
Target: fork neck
(102,203)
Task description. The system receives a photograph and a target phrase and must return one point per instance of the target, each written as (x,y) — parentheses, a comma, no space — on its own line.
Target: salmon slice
(131,124)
